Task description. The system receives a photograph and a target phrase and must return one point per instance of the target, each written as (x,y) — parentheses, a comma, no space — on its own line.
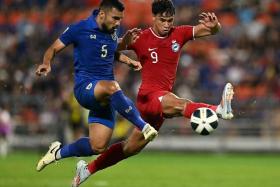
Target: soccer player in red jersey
(158,49)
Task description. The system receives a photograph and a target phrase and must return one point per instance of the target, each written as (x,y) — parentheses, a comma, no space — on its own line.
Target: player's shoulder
(79,25)
(181,27)
(143,36)
(145,33)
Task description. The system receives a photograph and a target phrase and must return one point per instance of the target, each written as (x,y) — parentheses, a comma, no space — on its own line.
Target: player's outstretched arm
(45,67)
(208,25)
(128,38)
(136,65)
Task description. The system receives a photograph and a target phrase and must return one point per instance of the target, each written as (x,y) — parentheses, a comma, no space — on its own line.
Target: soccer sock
(79,148)
(127,109)
(191,107)
(110,157)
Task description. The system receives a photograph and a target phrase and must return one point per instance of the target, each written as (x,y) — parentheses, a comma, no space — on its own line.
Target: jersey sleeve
(135,46)
(68,36)
(186,32)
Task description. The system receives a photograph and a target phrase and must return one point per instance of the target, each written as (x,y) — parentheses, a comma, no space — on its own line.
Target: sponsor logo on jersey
(92,36)
(89,86)
(175,46)
(114,36)
(128,110)
(151,49)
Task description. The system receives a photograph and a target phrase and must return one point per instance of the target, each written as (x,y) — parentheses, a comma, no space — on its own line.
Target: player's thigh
(172,105)
(100,136)
(134,143)
(84,93)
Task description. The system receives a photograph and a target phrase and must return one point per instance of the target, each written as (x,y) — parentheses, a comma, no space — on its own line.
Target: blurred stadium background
(35,111)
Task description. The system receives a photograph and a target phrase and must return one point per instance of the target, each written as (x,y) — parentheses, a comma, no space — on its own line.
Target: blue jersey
(94,50)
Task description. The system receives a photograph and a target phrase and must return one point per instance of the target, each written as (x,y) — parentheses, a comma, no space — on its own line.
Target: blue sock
(127,109)
(79,148)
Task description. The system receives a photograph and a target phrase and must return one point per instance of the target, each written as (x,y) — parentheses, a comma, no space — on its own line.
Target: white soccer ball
(204,121)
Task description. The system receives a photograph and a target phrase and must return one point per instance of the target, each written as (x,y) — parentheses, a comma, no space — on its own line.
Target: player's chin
(112,30)
(165,32)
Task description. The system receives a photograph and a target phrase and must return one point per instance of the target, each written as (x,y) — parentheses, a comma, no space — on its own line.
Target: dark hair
(108,4)
(163,6)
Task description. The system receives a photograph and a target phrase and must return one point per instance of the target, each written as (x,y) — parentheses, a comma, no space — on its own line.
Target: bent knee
(98,148)
(113,87)
(175,108)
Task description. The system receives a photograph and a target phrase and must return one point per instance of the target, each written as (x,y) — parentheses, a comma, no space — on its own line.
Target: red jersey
(159,57)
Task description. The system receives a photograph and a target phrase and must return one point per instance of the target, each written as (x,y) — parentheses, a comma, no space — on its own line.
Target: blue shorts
(84,93)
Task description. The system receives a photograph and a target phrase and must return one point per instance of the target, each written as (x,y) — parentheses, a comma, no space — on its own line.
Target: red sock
(110,157)
(191,107)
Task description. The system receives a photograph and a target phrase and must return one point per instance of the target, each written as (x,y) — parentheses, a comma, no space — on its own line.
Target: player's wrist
(216,29)
(47,63)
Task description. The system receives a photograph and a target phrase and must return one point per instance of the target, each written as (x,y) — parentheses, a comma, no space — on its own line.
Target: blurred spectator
(245,53)
(5,131)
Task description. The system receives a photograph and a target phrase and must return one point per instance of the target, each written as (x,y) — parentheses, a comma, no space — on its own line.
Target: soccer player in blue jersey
(95,48)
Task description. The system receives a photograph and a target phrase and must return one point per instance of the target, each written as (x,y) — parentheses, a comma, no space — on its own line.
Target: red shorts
(149,106)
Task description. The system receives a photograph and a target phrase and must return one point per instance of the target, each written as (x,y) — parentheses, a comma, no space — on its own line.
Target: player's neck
(156,33)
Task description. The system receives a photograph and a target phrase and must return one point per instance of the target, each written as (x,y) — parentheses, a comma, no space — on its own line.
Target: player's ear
(102,14)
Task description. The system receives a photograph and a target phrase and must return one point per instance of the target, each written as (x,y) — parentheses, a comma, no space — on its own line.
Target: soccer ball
(204,121)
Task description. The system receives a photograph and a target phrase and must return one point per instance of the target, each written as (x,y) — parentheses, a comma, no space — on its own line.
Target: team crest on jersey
(175,46)
(114,36)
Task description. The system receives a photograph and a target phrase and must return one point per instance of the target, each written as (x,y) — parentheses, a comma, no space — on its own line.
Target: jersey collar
(157,36)
(92,19)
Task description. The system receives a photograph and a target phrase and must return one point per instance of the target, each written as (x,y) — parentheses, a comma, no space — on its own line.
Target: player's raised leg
(173,106)
(124,106)
(116,153)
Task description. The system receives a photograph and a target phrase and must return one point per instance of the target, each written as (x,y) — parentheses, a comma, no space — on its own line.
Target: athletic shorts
(149,106)
(84,93)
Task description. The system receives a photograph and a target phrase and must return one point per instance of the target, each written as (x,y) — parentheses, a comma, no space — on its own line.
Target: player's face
(112,20)
(162,24)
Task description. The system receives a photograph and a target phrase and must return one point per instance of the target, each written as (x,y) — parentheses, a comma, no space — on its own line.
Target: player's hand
(131,36)
(209,20)
(43,69)
(136,65)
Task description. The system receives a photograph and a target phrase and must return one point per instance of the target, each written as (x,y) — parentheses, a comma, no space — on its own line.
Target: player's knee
(98,148)
(174,109)
(180,105)
(113,87)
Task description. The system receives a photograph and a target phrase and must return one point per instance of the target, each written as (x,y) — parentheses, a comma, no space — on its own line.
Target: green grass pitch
(156,169)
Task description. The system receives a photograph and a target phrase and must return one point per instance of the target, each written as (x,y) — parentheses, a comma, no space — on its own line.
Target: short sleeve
(186,32)
(68,36)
